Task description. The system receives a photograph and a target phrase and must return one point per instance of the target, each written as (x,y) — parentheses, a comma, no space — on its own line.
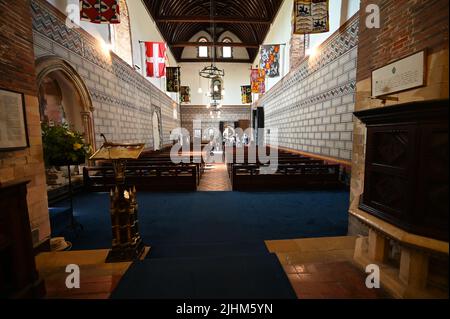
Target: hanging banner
(258,81)
(156,59)
(246,93)
(100,11)
(270,60)
(311,16)
(173,79)
(185,94)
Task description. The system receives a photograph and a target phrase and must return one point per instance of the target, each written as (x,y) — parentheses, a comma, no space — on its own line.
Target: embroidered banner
(311,16)
(246,93)
(185,94)
(270,60)
(258,81)
(173,79)
(156,59)
(100,11)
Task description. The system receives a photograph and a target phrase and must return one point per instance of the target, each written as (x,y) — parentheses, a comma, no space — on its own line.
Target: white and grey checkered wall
(123,100)
(312,106)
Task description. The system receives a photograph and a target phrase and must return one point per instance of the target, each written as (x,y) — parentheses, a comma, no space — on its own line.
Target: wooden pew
(160,163)
(248,177)
(298,161)
(145,178)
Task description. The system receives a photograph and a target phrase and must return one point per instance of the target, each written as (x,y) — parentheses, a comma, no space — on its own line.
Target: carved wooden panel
(18,274)
(406,175)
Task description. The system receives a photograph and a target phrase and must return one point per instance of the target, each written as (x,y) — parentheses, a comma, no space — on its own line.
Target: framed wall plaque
(401,75)
(13,127)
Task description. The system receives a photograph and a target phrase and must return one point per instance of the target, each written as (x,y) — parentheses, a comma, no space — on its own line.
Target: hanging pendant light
(212,71)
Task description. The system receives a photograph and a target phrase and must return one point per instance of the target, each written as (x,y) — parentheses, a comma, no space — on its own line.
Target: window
(227,52)
(203,51)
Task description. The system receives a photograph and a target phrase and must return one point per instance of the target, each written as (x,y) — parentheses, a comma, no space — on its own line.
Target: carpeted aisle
(256,277)
(211,244)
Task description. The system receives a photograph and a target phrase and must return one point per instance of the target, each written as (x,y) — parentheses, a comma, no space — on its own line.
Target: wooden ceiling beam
(212,44)
(207,19)
(202,60)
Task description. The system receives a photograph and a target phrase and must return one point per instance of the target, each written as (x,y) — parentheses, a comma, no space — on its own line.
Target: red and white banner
(156,59)
(100,11)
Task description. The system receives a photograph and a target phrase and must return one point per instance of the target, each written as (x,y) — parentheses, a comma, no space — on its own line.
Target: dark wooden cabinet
(406,171)
(18,274)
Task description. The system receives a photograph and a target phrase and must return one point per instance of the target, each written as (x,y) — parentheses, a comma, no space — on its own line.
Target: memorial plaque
(13,129)
(401,75)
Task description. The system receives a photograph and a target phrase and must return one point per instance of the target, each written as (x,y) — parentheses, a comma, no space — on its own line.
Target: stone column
(298,49)
(344,11)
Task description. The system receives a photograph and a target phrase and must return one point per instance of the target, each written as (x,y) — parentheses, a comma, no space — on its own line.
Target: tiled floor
(318,268)
(323,268)
(215,179)
(97,279)
(331,280)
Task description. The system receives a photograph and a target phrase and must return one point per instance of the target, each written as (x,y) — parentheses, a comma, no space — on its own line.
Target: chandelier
(211,72)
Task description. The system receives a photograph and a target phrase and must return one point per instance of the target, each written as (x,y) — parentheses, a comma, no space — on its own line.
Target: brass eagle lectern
(127,244)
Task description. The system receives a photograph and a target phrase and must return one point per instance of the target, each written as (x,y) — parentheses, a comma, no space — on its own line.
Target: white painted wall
(236,75)
(238,53)
(280,33)
(335,20)
(281,29)
(143,28)
(100,31)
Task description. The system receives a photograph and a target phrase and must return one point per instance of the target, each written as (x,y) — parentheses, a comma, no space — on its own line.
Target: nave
(106,106)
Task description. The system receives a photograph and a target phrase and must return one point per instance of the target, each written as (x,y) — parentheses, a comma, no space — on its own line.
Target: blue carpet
(211,244)
(255,277)
(177,224)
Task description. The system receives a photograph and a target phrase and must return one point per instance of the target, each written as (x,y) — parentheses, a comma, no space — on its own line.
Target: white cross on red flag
(156,59)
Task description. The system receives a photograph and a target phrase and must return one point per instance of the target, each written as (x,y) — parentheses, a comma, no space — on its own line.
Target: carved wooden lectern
(127,243)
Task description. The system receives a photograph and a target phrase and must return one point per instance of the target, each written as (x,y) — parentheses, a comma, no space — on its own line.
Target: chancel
(224,149)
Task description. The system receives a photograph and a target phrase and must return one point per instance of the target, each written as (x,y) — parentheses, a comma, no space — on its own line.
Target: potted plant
(63,146)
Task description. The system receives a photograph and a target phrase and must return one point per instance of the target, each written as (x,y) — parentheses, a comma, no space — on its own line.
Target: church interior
(224,149)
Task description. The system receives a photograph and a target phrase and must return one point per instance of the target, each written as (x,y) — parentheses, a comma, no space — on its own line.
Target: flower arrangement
(63,146)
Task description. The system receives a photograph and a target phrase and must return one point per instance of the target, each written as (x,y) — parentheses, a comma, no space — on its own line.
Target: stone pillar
(298,49)
(344,11)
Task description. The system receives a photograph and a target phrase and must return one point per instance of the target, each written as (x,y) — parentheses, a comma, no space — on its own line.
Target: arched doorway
(63,96)
(156,131)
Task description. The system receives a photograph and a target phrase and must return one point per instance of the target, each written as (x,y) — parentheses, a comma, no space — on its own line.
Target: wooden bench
(159,163)
(249,177)
(145,178)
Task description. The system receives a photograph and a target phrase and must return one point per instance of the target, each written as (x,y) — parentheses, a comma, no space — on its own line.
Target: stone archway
(46,66)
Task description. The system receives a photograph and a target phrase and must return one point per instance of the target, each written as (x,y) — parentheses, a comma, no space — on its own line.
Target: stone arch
(45,66)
